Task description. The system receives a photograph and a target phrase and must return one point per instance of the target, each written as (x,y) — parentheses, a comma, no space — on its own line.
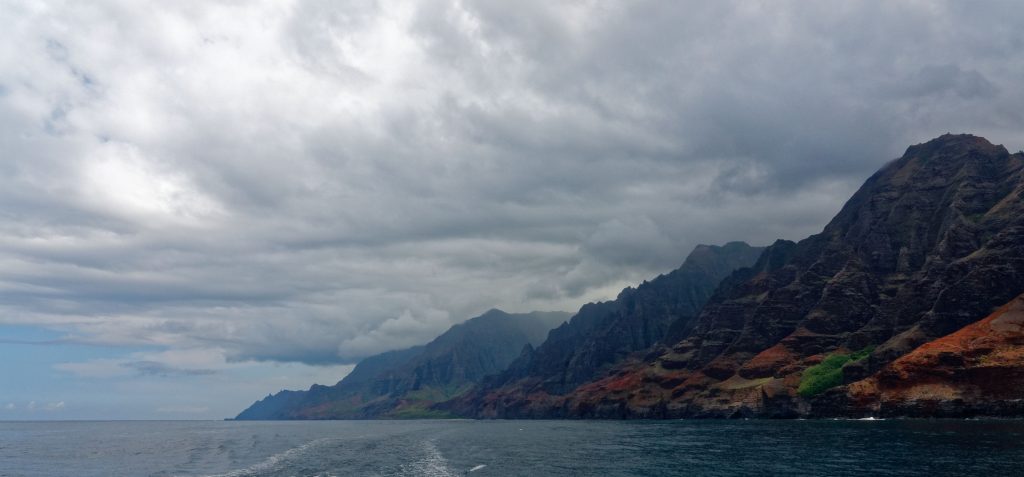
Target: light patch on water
(273,462)
(430,464)
(481,466)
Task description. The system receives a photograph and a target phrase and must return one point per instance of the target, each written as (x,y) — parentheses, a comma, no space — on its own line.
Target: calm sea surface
(528,448)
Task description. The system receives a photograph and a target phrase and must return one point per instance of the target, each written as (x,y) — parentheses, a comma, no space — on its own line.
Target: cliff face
(287,404)
(406,383)
(927,245)
(602,335)
(978,370)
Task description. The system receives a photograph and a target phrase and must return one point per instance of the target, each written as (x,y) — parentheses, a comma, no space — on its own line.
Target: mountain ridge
(916,260)
(403,383)
(601,335)
(928,244)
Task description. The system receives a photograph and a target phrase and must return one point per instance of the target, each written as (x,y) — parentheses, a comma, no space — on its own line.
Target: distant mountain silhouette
(604,334)
(405,383)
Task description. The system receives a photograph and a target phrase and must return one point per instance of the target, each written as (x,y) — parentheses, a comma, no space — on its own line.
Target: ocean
(513,448)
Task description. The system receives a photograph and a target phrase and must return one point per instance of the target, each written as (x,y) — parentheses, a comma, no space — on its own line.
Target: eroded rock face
(976,371)
(927,245)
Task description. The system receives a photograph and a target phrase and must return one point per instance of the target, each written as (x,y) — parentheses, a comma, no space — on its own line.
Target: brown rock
(978,370)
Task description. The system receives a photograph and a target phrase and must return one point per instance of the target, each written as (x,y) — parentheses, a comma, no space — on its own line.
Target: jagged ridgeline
(405,383)
(893,309)
(409,383)
(929,244)
(602,335)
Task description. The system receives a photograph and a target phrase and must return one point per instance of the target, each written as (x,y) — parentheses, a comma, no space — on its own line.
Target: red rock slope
(978,370)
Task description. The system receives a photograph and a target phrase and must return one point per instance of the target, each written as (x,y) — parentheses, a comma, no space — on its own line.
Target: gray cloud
(155,368)
(318,182)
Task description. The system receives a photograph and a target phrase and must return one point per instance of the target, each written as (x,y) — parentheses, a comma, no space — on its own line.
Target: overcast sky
(203,202)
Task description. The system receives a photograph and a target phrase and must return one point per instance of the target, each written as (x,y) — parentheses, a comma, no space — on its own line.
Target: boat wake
(274,462)
(430,463)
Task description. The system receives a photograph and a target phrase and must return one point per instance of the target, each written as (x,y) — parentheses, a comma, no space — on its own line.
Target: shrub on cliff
(828,373)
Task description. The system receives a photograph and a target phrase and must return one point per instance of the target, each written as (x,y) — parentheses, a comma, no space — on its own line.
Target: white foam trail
(481,466)
(272,461)
(432,464)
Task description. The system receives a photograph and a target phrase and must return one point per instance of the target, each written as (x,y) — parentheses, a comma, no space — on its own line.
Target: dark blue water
(527,448)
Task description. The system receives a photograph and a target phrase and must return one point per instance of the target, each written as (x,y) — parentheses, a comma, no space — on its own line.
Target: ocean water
(512,448)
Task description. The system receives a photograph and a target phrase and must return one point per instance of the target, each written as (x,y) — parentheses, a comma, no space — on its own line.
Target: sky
(203,202)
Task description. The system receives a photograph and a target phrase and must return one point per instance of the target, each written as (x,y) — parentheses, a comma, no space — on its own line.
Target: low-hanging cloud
(320,181)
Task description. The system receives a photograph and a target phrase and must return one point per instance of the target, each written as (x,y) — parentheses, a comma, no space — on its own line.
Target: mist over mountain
(405,383)
(408,383)
(603,334)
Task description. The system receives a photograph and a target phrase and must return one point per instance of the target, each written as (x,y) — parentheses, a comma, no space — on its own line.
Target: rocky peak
(954,145)
(929,243)
(603,334)
(881,263)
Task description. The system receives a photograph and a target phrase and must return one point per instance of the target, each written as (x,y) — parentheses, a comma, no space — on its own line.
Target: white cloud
(118,181)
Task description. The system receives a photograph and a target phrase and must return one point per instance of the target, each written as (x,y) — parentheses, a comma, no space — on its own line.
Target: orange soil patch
(983,360)
(767,362)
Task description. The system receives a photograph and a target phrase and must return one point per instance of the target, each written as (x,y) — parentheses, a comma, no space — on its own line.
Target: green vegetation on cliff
(829,372)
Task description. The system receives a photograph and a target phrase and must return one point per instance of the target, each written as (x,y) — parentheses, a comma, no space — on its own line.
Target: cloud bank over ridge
(319,181)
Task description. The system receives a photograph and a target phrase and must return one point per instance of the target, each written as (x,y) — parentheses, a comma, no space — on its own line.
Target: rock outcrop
(976,371)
